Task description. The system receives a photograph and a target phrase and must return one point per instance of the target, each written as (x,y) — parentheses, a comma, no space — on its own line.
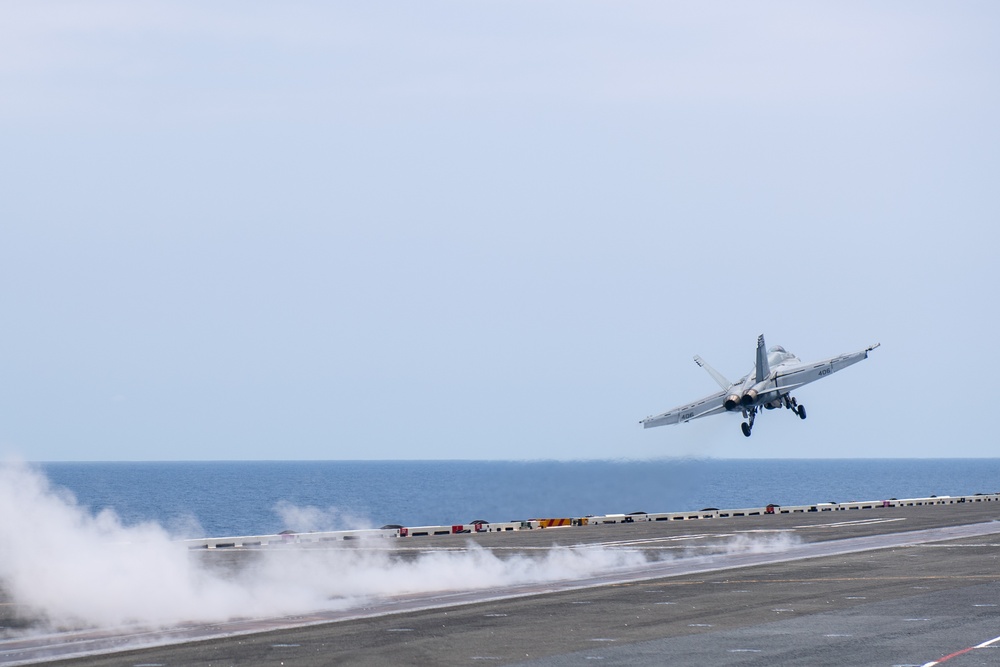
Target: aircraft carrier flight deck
(909,584)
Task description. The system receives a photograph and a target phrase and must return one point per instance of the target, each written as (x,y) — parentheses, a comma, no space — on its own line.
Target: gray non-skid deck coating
(888,586)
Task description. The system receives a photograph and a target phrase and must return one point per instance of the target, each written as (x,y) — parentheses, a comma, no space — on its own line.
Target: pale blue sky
(493,230)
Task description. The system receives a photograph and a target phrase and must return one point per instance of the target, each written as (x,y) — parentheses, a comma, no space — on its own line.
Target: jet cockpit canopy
(777,354)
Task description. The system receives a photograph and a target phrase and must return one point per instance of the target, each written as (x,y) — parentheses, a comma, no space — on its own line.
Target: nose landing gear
(747,426)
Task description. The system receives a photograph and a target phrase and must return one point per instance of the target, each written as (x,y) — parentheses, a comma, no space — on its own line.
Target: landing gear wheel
(746,429)
(801,411)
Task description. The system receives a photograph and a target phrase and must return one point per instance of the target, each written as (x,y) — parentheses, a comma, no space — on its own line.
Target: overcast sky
(479,230)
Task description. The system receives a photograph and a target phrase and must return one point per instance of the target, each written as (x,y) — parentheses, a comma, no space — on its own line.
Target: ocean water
(226,498)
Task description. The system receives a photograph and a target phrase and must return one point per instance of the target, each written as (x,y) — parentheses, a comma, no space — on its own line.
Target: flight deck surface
(886,586)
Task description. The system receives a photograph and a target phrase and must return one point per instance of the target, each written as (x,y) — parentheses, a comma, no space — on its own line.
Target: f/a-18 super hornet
(769,385)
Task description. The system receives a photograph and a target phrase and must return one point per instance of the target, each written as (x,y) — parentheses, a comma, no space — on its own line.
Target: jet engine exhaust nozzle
(749,398)
(732,402)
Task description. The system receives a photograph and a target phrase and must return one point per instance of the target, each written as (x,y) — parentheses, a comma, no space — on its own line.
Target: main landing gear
(794,406)
(750,413)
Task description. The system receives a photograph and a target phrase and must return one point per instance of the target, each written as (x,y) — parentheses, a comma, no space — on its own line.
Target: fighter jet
(775,374)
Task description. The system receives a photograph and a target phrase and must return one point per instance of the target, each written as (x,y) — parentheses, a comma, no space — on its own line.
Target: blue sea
(226,498)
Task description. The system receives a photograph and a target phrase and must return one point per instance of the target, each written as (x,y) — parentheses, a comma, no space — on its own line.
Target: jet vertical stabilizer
(763,369)
(716,375)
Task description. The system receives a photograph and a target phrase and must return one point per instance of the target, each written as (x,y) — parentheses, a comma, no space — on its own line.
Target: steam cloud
(313,519)
(66,567)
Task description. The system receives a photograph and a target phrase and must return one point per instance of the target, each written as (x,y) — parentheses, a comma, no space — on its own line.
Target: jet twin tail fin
(763,368)
(716,375)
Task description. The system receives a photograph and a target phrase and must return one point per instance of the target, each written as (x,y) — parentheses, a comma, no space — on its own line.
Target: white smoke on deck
(66,567)
(760,543)
(312,519)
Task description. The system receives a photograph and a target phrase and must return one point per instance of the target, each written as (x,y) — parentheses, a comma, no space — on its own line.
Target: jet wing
(710,405)
(806,373)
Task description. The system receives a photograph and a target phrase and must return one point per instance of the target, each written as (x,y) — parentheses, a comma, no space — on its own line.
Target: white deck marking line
(651,540)
(859,522)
